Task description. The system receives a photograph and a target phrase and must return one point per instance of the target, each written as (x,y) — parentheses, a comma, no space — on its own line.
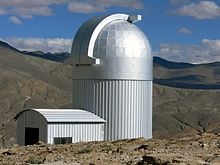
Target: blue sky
(179,30)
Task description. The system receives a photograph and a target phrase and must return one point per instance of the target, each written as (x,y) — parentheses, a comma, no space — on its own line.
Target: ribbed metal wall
(31,119)
(79,132)
(126,105)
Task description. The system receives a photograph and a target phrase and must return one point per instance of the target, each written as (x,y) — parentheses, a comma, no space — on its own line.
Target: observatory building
(112,88)
(112,75)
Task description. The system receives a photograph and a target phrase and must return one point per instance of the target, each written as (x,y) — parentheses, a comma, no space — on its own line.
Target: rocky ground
(199,149)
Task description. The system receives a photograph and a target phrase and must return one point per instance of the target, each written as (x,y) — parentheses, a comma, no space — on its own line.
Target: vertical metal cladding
(124,104)
(79,132)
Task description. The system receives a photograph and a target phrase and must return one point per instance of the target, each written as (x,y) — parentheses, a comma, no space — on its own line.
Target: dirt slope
(179,112)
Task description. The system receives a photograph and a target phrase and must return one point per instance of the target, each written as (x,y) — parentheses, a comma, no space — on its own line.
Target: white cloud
(136,4)
(200,10)
(87,6)
(52,45)
(2,11)
(205,52)
(84,7)
(15,20)
(28,8)
(184,30)
(29,12)
(177,2)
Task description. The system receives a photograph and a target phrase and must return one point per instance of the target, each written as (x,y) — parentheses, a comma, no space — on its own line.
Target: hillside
(27,81)
(184,75)
(179,112)
(58,57)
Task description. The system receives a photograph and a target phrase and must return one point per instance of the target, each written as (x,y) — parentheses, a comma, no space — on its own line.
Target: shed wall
(126,105)
(31,119)
(78,131)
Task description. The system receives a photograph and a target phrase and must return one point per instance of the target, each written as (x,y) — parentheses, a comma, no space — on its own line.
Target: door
(31,135)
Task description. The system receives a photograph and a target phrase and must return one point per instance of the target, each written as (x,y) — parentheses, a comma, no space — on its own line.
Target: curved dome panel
(122,39)
(111,47)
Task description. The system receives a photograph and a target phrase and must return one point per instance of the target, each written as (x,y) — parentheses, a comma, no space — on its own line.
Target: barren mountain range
(29,81)
(184,75)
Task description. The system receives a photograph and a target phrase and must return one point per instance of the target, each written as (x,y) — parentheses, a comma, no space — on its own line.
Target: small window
(62,140)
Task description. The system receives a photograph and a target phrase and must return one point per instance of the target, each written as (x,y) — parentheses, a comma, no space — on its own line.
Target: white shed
(58,126)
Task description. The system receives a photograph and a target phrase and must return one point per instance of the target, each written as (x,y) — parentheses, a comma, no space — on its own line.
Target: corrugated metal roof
(69,115)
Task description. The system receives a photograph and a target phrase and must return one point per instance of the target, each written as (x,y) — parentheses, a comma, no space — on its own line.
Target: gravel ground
(198,149)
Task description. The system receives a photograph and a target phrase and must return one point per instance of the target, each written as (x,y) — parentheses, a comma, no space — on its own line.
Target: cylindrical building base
(126,105)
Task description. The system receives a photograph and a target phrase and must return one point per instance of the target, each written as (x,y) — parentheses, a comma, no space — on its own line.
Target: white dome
(111,47)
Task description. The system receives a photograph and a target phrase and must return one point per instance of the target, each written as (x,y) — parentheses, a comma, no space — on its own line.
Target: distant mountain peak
(2,43)
(172,64)
(6,45)
(59,57)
